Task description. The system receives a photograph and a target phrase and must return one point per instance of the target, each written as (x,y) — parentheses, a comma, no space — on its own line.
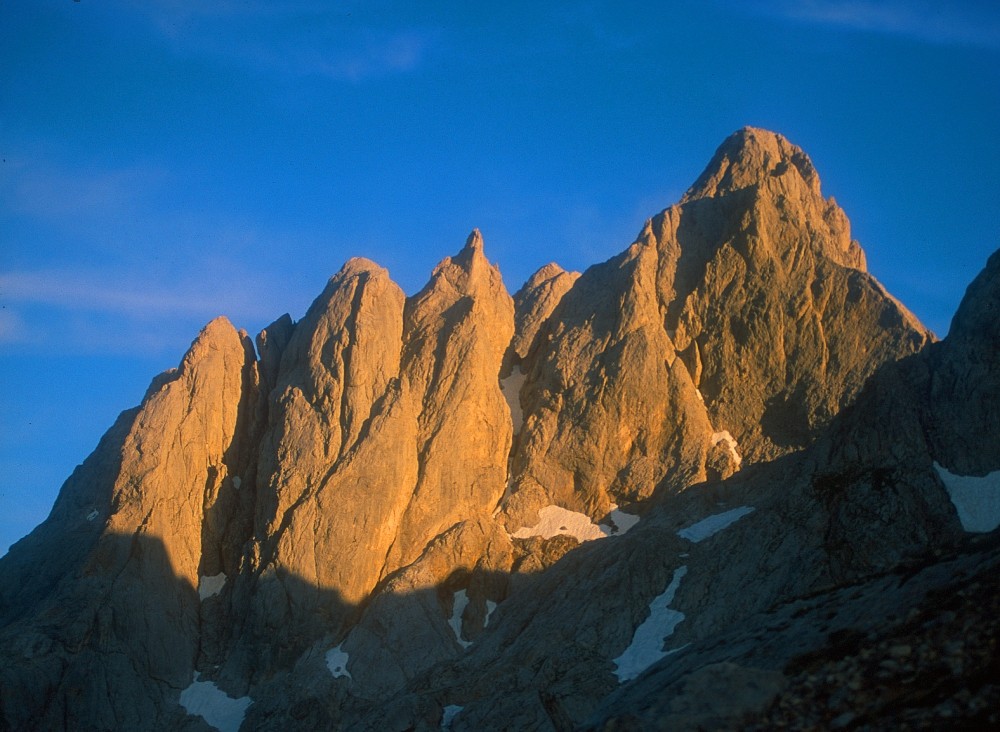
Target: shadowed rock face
(965,387)
(365,484)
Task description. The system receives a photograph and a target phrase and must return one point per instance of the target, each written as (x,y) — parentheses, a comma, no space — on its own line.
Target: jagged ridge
(365,476)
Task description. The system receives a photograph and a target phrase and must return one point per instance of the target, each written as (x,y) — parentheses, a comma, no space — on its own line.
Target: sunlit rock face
(769,299)
(539,512)
(457,331)
(388,427)
(743,309)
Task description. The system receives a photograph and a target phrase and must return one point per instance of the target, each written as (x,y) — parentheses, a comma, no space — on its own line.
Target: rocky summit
(723,480)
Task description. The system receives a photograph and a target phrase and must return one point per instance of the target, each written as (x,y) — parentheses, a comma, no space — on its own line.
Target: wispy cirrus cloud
(12,328)
(961,23)
(67,311)
(127,295)
(296,38)
(37,188)
(372,55)
(105,259)
(101,210)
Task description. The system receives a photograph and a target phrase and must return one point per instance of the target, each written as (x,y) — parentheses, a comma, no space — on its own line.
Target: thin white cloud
(76,291)
(132,276)
(123,267)
(295,38)
(376,55)
(12,327)
(127,313)
(33,187)
(353,57)
(127,218)
(81,335)
(962,23)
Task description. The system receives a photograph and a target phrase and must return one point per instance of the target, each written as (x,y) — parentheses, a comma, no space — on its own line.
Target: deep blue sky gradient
(167,163)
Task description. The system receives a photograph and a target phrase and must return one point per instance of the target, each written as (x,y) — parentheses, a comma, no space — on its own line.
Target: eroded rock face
(432,610)
(609,406)
(338,376)
(770,291)
(965,382)
(847,557)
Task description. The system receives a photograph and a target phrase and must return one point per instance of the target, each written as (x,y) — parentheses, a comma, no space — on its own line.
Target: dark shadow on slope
(106,648)
(397,640)
(871,486)
(867,653)
(302,693)
(112,646)
(58,547)
(229,505)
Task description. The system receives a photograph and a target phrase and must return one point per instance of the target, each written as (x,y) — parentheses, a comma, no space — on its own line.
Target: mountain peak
(754,156)
(474,240)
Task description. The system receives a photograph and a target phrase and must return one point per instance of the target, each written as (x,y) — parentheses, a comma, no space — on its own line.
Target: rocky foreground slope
(693,485)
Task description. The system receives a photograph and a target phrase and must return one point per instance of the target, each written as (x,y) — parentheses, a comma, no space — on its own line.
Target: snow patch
(622,522)
(455,621)
(209,585)
(92,515)
(555,520)
(448,715)
(724,436)
(336,661)
(646,647)
(976,499)
(511,388)
(713,524)
(237,482)
(206,700)
(490,607)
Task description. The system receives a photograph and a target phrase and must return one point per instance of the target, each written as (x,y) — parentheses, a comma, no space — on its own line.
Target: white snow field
(450,712)
(976,499)
(646,647)
(712,525)
(555,520)
(336,661)
(730,441)
(209,585)
(455,621)
(206,700)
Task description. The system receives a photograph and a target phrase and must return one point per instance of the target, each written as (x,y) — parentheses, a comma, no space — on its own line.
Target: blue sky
(168,161)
